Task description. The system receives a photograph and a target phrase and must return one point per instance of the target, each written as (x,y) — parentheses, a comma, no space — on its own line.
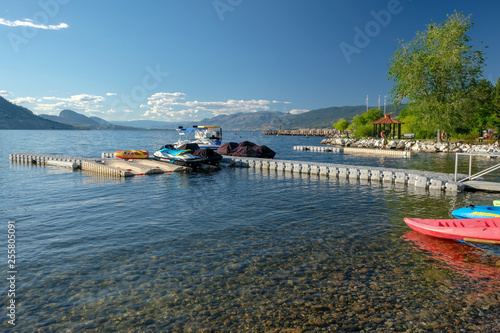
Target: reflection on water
(468,260)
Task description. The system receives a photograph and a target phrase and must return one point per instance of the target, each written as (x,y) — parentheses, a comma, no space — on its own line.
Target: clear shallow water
(236,249)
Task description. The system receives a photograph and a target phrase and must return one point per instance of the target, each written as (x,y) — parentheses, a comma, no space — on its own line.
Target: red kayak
(484,230)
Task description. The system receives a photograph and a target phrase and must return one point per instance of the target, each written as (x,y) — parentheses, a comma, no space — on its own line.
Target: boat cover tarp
(247,144)
(210,156)
(265,151)
(190,146)
(245,149)
(227,148)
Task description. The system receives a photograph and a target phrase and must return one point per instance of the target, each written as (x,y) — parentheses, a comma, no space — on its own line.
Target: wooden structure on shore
(303,132)
(382,124)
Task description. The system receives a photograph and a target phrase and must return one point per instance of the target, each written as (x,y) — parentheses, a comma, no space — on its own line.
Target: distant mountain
(13,116)
(147,124)
(247,121)
(325,118)
(319,118)
(81,121)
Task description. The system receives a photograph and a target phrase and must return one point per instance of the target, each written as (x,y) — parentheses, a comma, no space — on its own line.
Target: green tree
(479,107)
(436,72)
(495,105)
(361,124)
(341,125)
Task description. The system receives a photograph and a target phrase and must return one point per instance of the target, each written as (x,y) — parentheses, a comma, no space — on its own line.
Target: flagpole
(366,103)
(384,104)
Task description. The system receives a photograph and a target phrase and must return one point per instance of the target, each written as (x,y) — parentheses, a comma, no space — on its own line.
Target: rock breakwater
(416,145)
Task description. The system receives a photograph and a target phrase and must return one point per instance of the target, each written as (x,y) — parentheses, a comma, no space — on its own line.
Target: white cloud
(83,102)
(170,106)
(31,24)
(160,106)
(5,92)
(298,111)
(25,100)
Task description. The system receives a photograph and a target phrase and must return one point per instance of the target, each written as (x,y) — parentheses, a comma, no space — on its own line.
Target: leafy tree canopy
(361,124)
(341,125)
(437,72)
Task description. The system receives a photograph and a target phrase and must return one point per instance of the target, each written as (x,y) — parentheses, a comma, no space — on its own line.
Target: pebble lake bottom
(235,250)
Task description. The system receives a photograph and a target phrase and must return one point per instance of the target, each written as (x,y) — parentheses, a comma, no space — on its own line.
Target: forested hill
(81,121)
(17,117)
(319,118)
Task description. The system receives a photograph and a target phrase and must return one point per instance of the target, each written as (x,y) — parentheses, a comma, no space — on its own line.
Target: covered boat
(204,136)
(179,157)
(473,211)
(131,154)
(483,230)
(209,155)
(245,149)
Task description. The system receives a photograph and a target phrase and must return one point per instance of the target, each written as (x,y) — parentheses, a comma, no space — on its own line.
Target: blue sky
(193,59)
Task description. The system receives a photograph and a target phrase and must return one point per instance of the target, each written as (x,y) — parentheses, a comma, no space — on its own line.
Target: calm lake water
(237,249)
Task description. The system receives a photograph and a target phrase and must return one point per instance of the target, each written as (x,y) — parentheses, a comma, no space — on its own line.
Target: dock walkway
(422,179)
(352,150)
(106,165)
(114,167)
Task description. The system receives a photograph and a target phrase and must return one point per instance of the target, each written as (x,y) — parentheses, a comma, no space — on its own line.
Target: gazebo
(384,123)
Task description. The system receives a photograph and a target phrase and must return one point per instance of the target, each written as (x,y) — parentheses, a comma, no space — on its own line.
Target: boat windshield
(202,134)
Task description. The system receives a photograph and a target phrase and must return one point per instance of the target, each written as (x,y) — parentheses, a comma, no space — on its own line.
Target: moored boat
(204,136)
(473,211)
(132,154)
(482,230)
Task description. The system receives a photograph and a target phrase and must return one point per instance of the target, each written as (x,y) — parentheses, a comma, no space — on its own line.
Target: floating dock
(302,132)
(114,167)
(349,150)
(106,165)
(433,181)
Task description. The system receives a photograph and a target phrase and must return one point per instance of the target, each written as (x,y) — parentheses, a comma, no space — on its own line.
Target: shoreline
(415,145)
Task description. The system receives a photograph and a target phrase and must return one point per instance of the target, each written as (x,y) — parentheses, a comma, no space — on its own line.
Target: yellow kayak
(132,154)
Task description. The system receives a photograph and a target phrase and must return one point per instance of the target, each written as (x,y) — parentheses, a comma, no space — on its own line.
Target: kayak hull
(482,230)
(471,212)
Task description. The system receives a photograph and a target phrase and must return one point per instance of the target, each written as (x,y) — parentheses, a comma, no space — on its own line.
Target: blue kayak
(471,212)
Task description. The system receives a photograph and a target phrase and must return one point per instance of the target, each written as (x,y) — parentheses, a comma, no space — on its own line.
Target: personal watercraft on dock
(178,157)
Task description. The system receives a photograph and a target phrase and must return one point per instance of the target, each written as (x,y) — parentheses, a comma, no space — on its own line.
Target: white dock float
(432,181)
(106,166)
(113,167)
(349,150)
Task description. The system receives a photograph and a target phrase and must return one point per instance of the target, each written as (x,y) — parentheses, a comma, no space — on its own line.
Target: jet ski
(181,157)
